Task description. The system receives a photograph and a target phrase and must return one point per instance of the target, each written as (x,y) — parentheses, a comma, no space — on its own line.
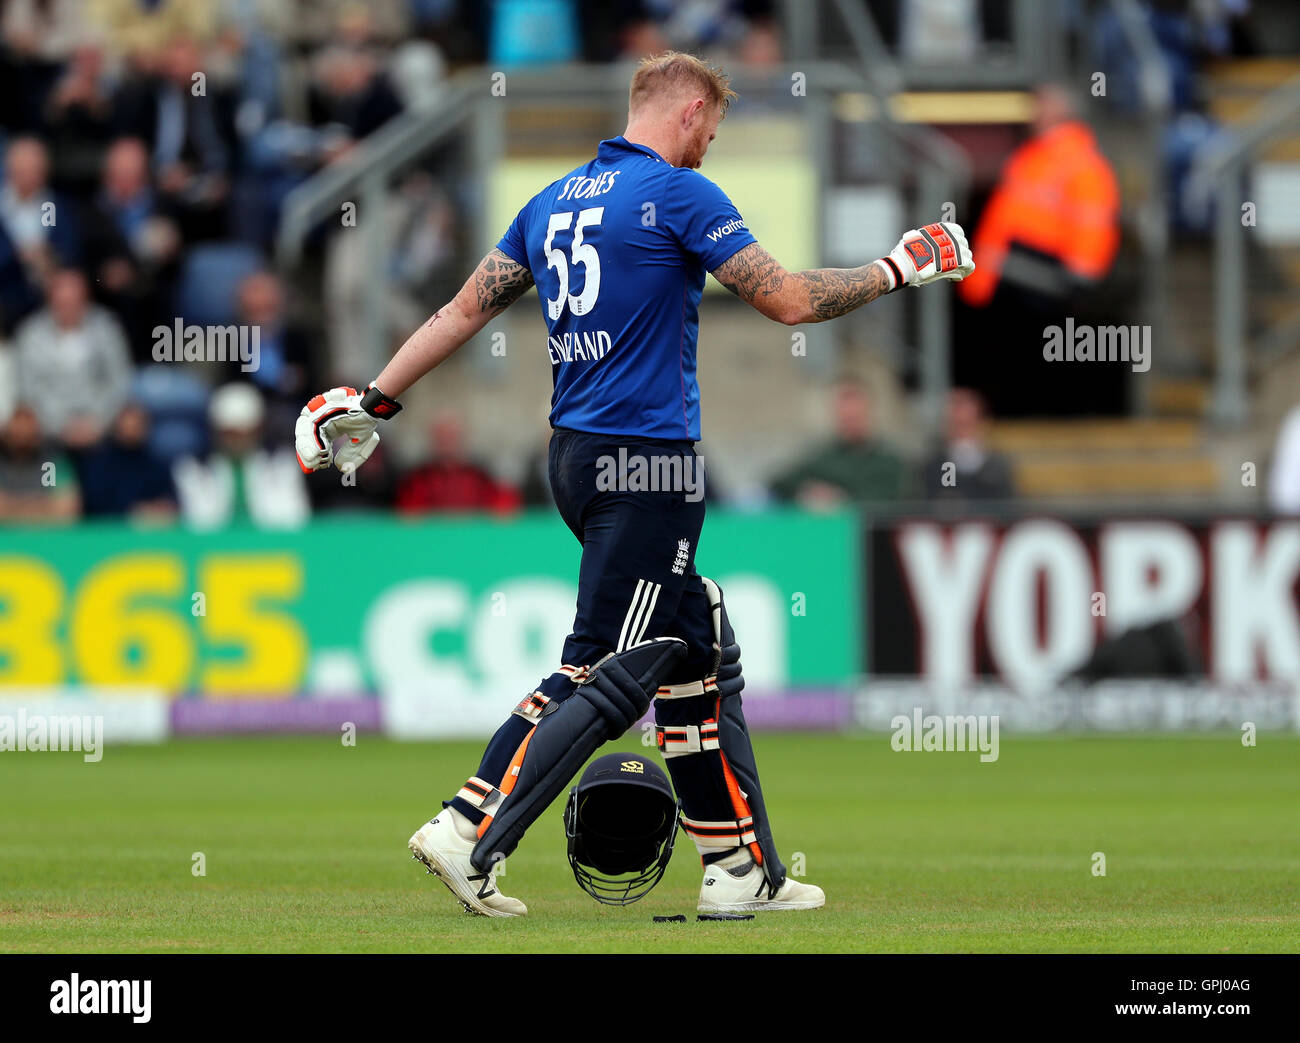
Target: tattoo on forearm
(837,291)
(499,281)
(751,274)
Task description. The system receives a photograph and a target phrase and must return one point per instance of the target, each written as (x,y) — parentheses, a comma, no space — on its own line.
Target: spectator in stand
(1046,239)
(132,243)
(451,481)
(1057,201)
(38,37)
(37,484)
(140,29)
(1185,35)
(1172,26)
(964,467)
(348,98)
(73,363)
(43,237)
(79,121)
(122,477)
(248,61)
(190,135)
(351,96)
(854,467)
(285,373)
(745,29)
(241,480)
(38,229)
(372,22)
(18,295)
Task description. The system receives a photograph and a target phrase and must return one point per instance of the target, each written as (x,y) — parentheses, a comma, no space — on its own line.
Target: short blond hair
(673,71)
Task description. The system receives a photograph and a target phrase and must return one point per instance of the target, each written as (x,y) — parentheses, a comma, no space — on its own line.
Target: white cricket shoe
(445,852)
(723,891)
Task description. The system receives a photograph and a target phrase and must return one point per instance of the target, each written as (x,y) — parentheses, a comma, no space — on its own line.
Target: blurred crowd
(105,464)
(148,147)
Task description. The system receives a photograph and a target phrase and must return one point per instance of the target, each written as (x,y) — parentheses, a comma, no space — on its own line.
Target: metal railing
(943,177)
(1033,51)
(362,177)
(1223,174)
(1152,211)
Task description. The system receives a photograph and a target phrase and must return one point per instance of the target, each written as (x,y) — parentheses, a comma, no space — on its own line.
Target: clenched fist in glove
(937,251)
(341,413)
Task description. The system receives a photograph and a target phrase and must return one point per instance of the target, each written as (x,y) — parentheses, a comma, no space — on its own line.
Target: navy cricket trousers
(637,579)
(637,507)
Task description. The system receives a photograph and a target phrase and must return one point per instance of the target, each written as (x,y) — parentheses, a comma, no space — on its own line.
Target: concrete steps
(1237,89)
(1139,459)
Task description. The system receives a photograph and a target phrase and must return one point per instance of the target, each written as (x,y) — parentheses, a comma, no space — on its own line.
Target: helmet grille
(621,828)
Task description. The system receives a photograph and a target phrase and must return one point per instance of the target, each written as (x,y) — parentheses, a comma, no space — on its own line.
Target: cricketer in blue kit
(618,250)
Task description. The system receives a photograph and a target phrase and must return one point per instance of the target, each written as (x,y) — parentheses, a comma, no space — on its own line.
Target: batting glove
(928,254)
(341,413)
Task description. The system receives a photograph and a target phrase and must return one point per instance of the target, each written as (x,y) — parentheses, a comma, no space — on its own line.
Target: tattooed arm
(496,284)
(754,275)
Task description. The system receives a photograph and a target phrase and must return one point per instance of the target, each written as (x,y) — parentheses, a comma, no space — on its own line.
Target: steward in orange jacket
(1057,197)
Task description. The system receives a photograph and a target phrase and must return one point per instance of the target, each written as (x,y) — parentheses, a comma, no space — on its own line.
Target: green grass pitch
(305,848)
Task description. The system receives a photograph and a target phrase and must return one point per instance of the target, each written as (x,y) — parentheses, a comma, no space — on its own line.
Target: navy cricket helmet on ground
(621,822)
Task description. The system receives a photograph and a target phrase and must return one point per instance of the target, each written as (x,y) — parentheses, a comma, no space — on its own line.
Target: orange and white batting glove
(341,413)
(928,254)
